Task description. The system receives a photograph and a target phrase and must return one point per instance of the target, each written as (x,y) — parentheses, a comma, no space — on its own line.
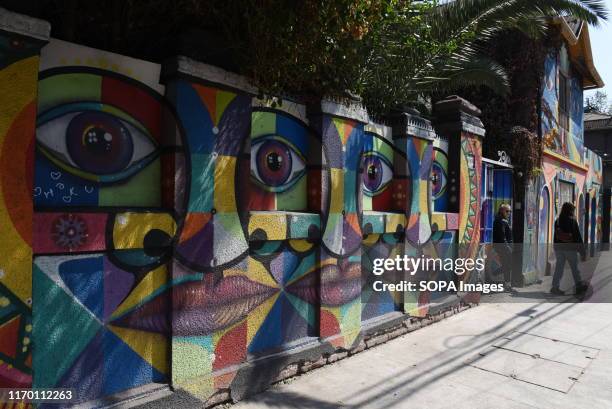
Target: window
(566,193)
(565,93)
(565,89)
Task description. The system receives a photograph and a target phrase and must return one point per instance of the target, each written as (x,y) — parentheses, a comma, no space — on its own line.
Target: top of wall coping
(455,114)
(411,123)
(24,25)
(210,73)
(351,109)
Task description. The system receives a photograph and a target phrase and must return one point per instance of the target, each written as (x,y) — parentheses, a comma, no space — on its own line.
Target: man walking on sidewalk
(502,237)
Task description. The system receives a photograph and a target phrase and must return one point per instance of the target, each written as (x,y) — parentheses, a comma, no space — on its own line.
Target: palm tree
(428,47)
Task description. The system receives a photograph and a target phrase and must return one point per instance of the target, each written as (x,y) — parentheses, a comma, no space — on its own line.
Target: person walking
(502,236)
(567,243)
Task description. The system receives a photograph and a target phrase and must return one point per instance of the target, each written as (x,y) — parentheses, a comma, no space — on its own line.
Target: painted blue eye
(93,143)
(438,180)
(275,164)
(377,173)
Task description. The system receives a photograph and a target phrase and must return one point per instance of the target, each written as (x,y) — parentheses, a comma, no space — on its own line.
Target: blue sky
(601,37)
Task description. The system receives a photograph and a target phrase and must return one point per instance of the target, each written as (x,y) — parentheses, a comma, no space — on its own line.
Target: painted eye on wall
(438,180)
(377,173)
(275,164)
(95,141)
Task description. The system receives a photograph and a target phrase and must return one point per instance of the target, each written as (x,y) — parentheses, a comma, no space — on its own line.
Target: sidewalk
(546,355)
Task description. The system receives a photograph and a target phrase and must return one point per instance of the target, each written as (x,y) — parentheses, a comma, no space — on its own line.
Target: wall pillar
(458,120)
(341,128)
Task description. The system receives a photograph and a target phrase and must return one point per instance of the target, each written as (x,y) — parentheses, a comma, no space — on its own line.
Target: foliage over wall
(390,52)
(512,121)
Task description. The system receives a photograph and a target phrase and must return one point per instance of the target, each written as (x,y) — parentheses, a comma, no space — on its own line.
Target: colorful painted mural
(101,240)
(383,196)
(569,170)
(562,122)
(20,41)
(440,175)
(183,230)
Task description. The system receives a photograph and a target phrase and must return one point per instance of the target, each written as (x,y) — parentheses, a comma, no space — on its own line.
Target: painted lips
(204,307)
(199,307)
(339,284)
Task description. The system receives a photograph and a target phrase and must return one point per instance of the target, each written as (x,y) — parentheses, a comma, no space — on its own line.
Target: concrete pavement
(498,355)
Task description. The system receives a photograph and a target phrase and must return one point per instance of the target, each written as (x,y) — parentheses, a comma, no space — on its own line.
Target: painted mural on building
(570,172)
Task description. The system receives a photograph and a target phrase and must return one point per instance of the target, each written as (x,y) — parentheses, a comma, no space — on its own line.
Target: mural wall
(570,171)
(181,230)
(101,240)
(564,139)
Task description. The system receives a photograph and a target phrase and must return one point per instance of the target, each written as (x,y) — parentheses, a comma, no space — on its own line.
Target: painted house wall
(565,160)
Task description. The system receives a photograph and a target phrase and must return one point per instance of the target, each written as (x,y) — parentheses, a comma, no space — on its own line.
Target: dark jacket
(502,233)
(567,235)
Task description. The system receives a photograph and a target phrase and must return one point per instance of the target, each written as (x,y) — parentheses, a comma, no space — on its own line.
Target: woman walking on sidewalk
(568,242)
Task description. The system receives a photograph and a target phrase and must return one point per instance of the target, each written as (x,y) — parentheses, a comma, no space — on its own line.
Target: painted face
(98,155)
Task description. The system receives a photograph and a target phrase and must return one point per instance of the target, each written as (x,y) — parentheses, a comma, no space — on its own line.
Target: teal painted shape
(202,183)
(299,224)
(376,220)
(350,193)
(306,311)
(62,328)
(305,266)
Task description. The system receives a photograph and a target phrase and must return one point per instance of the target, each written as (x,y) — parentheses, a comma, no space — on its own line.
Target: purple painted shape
(234,126)
(198,249)
(117,285)
(426,163)
(412,232)
(85,375)
(277,267)
(351,239)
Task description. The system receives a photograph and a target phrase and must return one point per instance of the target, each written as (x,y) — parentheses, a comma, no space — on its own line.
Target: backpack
(561,235)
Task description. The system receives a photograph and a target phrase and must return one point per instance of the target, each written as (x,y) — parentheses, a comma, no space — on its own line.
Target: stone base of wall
(259,375)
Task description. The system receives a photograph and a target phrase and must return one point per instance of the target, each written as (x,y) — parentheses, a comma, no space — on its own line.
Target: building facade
(598,138)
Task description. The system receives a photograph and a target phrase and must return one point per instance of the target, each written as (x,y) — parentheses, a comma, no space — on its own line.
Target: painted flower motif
(69,231)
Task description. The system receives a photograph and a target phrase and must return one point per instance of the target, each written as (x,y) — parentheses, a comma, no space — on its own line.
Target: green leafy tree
(430,48)
(391,52)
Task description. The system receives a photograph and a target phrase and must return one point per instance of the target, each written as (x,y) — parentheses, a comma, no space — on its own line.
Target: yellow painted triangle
(258,273)
(152,282)
(258,315)
(151,346)
(339,124)
(223,100)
